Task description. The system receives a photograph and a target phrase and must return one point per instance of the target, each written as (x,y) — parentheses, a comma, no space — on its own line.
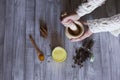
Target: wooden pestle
(39,53)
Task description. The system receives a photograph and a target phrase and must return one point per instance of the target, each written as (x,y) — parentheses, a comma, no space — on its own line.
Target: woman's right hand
(74,17)
(69,18)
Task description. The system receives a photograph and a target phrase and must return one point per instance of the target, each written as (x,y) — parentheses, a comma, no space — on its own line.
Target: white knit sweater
(111,24)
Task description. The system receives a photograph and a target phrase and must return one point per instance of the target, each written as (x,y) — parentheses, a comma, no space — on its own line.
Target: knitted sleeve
(111,24)
(88,7)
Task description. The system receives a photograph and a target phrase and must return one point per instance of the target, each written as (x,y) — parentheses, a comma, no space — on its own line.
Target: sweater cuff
(115,33)
(93,26)
(80,11)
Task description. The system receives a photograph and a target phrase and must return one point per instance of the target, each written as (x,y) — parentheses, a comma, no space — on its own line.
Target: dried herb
(83,53)
(43,29)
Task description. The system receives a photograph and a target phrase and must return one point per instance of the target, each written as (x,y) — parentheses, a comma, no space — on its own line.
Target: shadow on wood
(56,40)
(71,6)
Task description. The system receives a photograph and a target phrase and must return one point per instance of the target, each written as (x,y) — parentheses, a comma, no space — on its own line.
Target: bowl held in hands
(74,31)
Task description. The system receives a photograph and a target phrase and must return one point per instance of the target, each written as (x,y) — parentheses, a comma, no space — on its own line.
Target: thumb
(84,23)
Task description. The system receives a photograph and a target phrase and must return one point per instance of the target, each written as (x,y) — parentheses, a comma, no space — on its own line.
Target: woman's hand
(74,17)
(69,18)
(85,35)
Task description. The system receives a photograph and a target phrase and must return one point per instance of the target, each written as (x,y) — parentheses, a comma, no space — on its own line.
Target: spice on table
(91,57)
(43,29)
(39,53)
(83,53)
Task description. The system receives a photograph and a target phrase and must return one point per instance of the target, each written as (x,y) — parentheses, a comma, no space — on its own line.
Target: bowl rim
(64,58)
(71,36)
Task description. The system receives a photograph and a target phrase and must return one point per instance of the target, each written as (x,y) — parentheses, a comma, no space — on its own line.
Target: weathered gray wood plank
(19,41)
(114,53)
(53,40)
(30,29)
(2,31)
(105,56)
(18,59)
(8,41)
(39,72)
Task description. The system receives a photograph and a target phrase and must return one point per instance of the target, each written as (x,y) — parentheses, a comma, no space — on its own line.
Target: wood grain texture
(19,46)
(30,29)
(2,32)
(8,41)
(18,59)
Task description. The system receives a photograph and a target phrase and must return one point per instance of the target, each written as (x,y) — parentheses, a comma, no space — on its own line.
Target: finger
(85,23)
(67,24)
(65,20)
(75,40)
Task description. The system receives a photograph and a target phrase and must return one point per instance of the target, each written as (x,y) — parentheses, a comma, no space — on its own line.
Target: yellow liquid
(59,54)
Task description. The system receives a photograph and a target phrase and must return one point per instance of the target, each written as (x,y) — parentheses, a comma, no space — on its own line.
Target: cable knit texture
(111,24)
(89,6)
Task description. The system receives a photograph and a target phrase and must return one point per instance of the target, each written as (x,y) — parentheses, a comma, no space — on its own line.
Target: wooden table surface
(18,59)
